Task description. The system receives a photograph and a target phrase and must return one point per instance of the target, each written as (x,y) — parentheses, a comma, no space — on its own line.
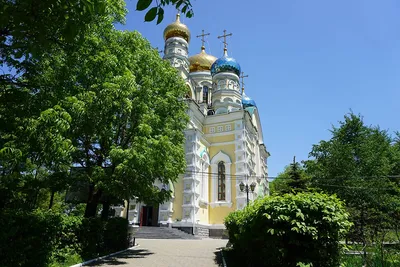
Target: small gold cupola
(177,29)
(202,61)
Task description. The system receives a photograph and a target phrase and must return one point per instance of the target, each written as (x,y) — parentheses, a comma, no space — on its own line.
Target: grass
(69,260)
(391,258)
(372,261)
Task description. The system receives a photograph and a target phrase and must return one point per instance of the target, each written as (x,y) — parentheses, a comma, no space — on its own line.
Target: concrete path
(169,253)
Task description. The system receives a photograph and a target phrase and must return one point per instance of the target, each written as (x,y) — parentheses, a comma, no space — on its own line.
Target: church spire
(242,76)
(224,42)
(202,35)
(201,61)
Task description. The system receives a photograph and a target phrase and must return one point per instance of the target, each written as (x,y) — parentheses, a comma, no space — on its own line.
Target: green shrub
(116,234)
(98,237)
(288,230)
(27,238)
(46,238)
(68,245)
(91,238)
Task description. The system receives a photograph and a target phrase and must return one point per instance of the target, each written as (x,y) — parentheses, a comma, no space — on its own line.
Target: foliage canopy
(292,180)
(290,229)
(359,164)
(100,108)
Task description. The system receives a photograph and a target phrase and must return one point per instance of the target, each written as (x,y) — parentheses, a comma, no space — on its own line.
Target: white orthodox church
(224,143)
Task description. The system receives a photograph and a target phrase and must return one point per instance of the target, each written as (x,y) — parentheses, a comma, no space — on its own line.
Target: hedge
(99,237)
(28,238)
(42,238)
(289,230)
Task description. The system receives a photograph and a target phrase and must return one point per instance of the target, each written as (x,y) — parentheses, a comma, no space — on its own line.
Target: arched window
(221,181)
(205,94)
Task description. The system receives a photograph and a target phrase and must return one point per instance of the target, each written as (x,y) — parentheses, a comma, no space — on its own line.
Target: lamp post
(247,188)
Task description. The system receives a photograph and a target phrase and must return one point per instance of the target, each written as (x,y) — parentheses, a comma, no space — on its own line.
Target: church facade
(224,143)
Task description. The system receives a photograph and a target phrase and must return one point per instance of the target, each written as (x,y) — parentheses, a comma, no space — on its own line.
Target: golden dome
(202,61)
(177,29)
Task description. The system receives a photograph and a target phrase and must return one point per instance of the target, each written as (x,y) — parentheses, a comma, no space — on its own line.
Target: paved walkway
(169,253)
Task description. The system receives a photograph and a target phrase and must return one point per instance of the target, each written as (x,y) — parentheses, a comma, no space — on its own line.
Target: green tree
(127,115)
(104,103)
(395,155)
(356,164)
(292,180)
(97,108)
(34,149)
(156,8)
(30,28)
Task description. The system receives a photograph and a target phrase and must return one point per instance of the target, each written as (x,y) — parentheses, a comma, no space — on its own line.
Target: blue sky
(309,62)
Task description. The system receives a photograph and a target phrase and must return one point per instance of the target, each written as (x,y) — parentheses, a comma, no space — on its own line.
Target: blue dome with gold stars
(225,64)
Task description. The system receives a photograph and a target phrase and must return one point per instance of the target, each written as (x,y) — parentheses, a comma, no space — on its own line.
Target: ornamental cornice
(221,204)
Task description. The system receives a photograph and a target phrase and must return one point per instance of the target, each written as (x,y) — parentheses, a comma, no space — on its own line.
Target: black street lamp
(245,187)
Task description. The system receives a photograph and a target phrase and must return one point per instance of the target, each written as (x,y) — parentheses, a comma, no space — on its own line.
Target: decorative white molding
(183,223)
(221,204)
(211,226)
(222,110)
(223,133)
(203,203)
(221,156)
(224,143)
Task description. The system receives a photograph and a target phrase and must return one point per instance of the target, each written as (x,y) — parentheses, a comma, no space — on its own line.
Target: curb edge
(103,257)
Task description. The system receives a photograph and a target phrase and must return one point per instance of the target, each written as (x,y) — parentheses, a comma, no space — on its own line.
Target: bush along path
(288,230)
(50,239)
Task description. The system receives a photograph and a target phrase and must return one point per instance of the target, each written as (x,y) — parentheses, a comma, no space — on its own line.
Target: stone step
(148,232)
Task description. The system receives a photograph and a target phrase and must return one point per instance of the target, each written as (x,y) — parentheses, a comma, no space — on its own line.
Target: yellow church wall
(220,139)
(218,213)
(202,215)
(178,200)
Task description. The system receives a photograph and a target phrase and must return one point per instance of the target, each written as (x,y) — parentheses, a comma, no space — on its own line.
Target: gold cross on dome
(242,77)
(202,35)
(224,42)
(178,14)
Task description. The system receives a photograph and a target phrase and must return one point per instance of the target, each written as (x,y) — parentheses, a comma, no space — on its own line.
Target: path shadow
(218,257)
(120,259)
(230,257)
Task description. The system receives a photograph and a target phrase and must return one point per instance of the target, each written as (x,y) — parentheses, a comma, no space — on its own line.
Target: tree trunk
(127,210)
(364,242)
(90,210)
(92,202)
(382,252)
(105,211)
(51,199)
